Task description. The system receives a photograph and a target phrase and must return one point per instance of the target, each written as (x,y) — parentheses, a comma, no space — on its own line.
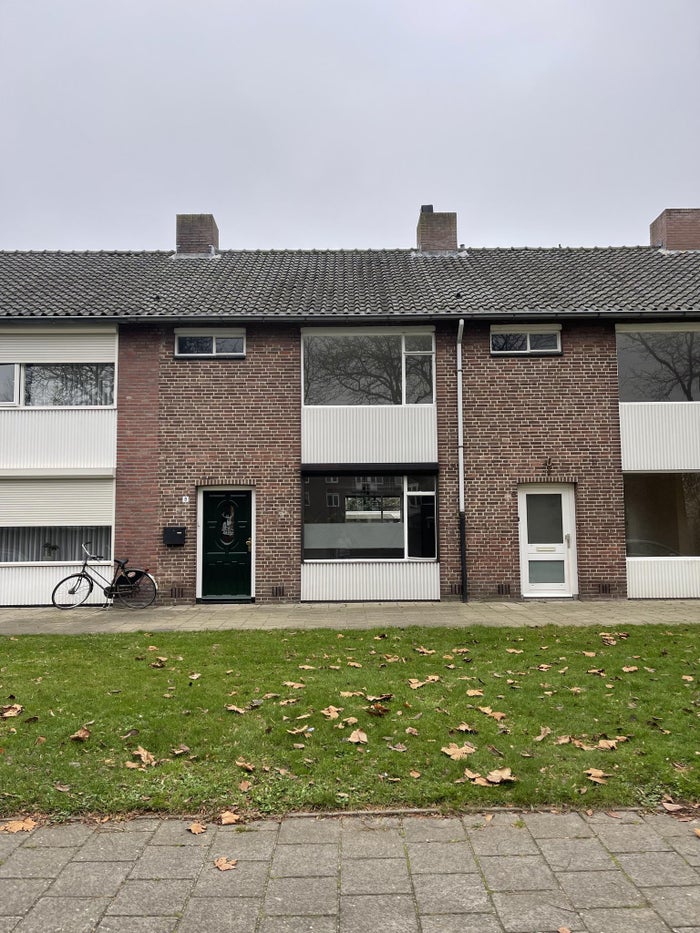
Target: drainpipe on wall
(460,465)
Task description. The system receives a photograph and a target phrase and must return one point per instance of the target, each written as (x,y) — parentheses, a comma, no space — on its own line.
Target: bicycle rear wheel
(136,589)
(72,592)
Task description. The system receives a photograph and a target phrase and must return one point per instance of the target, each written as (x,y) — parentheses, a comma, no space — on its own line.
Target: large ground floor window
(662,514)
(384,517)
(25,545)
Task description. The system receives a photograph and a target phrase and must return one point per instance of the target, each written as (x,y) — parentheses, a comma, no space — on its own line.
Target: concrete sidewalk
(513,872)
(606,614)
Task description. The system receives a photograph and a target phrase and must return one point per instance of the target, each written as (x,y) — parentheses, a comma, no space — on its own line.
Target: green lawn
(275,721)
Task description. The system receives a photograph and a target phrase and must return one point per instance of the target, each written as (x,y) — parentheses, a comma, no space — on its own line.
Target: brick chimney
(436,232)
(676,228)
(196,233)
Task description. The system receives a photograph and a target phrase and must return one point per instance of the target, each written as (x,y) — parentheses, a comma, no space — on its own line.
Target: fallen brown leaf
(358,737)
(145,756)
(7,712)
(457,752)
(18,826)
(81,735)
(197,829)
(225,864)
(246,765)
(228,818)
(544,732)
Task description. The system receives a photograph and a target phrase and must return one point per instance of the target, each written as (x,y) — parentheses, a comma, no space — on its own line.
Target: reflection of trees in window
(366,370)
(64,384)
(659,366)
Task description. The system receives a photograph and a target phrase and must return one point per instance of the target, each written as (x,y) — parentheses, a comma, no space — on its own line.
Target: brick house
(408,424)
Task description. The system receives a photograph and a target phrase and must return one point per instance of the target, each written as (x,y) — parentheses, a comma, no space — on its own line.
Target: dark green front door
(226,545)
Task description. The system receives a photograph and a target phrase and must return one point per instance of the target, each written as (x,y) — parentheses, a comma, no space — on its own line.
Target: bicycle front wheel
(136,589)
(72,592)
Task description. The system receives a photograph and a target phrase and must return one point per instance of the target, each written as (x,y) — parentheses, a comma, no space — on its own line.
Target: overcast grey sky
(327,123)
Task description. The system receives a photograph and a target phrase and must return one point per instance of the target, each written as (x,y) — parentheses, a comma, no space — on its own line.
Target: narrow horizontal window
(525,341)
(224,343)
(62,544)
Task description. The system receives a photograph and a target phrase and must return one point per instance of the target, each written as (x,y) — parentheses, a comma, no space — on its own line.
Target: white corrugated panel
(58,344)
(663,577)
(58,439)
(56,501)
(380,434)
(356,581)
(33,585)
(661,436)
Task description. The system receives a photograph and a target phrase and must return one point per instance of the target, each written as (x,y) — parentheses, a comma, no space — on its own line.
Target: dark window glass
(419,379)
(659,366)
(18,545)
(544,341)
(68,384)
(508,343)
(229,345)
(365,518)
(195,345)
(354,370)
(421,526)
(368,369)
(662,514)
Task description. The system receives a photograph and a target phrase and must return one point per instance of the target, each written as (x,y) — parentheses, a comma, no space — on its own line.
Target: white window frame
(212,332)
(19,400)
(405,494)
(526,330)
(401,332)
(14,402)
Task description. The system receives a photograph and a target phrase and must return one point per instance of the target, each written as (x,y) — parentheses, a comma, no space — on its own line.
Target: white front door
(547,540)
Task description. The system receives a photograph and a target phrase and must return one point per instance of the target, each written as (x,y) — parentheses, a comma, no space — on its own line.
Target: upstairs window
(208,343)
(57,385)
(658,366)
(533,340)
(368,369)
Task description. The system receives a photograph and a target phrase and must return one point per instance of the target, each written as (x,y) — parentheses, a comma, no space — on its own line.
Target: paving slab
(501,872)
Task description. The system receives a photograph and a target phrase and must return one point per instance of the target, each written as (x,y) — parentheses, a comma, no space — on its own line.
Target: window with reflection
(659,366)
(662,514)
(388,517)
(368,369)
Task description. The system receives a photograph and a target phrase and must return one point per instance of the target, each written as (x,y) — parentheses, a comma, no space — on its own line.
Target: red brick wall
(676,228)
(217,423)
(538,418)
(137,489)
(448,488)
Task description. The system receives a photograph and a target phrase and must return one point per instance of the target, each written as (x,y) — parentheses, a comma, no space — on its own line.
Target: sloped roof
(342,284)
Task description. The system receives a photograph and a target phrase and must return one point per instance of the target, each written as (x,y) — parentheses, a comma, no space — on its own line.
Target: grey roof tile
(339,284)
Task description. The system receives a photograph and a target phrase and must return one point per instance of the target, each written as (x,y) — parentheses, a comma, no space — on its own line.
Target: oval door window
(227,523)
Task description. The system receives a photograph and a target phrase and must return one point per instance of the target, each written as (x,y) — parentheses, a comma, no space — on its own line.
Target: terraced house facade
(418,424)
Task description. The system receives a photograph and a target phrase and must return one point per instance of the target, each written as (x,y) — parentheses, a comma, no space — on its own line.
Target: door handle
(248,544)
(567,538)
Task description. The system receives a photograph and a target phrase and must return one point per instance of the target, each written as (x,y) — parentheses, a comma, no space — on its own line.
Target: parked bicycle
(133,588)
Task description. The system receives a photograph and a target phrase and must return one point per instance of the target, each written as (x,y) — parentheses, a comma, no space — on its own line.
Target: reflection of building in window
(662,514)
(659,366)
(396,524)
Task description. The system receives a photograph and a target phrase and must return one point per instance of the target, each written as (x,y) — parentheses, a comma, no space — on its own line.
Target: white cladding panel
(350,581)
(58,439)
(660,436)
(32,584)
(663,577)
(58,344)
(56,502)
(369,434)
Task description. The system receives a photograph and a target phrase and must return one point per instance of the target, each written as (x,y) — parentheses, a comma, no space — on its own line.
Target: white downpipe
(460,417)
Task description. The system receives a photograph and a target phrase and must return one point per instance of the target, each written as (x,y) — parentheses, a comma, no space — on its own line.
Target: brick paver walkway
(500,873)
(605,613)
